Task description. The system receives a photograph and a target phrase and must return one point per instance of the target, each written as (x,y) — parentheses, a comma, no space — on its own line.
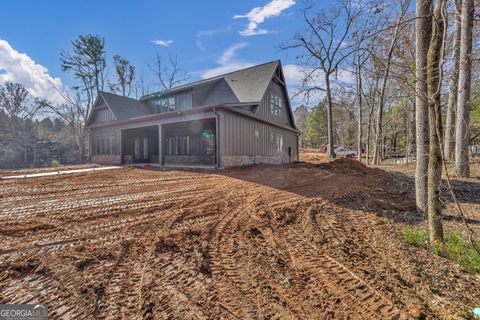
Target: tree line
(413,90)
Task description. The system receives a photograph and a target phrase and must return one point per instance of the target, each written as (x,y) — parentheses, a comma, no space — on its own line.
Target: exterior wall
(264,108)
(117,130)
(107,159)
(246,141)
(190,160)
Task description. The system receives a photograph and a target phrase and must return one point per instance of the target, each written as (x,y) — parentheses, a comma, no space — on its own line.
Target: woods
(411,93)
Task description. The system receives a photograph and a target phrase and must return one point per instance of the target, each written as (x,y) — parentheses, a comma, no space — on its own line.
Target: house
(239,118)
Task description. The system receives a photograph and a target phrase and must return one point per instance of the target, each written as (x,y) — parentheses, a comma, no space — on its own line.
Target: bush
(55,163)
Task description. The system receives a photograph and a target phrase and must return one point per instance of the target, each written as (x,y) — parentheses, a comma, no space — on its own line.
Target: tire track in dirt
(341,281)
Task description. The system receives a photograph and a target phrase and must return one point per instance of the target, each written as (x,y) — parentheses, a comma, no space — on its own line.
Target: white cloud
(202,35)
(20,68)
(228,62)
(258,15)
(165,43)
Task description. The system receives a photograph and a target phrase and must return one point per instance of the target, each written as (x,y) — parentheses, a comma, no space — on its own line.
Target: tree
(316,126)
(87,63)
(449,144)
(393,40)
(169,74)
(325,44)
(301,117)
(125,73)
(434,73)
(462,134)
(423,36)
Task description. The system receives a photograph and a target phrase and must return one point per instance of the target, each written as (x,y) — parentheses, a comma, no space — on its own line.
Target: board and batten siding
(247,137)
(264,109)
(112,132)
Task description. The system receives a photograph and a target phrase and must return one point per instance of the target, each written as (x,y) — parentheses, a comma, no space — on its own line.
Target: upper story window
(276,104)
(182,101)
(164,105)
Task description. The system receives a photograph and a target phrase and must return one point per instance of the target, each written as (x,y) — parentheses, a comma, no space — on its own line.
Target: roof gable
(247,85)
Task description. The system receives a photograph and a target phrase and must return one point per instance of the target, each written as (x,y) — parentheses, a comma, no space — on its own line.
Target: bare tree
(449,145)
(462,134)
(325,45)
(125,73)
(13,98)
(424,10)
(379,123)
(169,74)
(434,73)
(88,65)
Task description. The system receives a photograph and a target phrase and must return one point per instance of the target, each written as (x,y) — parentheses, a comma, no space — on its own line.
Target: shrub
(55,163)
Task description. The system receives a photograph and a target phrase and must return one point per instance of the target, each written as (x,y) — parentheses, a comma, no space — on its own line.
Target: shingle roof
(247,85)
(123,107)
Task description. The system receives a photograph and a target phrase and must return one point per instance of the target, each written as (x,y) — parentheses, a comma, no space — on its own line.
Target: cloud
(258,15)
(165,43)
(227,62)
(202,35)
(20,68)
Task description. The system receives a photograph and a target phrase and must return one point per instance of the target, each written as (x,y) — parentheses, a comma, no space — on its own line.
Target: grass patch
(415,236)
(463,252)
(454,247)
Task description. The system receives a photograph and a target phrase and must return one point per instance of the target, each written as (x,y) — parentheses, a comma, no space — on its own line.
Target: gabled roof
(124,107)
(247,85)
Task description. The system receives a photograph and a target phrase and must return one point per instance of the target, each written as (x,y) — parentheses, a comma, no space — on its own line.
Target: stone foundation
(190,160)
(107,159)
(236,161)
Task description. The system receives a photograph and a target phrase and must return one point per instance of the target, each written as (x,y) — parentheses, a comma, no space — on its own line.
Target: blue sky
(209,37)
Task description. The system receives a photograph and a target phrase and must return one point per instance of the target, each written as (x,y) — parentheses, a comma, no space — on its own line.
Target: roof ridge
(220,76)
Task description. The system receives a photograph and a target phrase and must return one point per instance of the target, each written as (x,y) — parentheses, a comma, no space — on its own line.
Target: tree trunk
(330,151)
(462,139)
(435,226)
(359,103)
(377,153)
(453,95)
(423,35)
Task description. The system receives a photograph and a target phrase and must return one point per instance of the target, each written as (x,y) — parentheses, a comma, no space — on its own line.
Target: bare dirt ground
(311,240)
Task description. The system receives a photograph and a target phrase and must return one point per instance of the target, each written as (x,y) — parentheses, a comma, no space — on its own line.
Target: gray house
(239,118)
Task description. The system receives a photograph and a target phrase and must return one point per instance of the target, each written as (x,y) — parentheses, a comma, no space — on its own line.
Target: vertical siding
(238,138)
(109,131)
(264,107)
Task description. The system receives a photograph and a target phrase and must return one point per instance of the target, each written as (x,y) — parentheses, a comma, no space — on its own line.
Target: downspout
(217,140)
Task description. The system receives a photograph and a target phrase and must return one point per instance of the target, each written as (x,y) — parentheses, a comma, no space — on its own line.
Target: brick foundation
(107,159)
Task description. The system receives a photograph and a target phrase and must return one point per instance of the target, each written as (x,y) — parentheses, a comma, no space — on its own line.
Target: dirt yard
(302,241)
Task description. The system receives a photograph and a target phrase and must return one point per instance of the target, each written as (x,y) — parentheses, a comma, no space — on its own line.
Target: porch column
(160,144)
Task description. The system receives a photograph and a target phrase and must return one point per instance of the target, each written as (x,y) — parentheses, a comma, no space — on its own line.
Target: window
(164,105)
(276,104)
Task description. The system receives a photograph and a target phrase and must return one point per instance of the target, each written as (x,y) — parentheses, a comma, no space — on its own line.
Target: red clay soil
(299,241)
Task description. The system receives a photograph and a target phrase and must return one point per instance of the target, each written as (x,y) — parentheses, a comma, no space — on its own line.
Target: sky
(208,37)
